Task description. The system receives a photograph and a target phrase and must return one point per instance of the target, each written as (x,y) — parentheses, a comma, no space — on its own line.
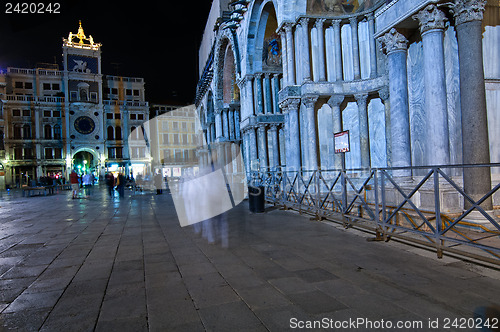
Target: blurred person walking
(120,184)
(75,185)
(110,182)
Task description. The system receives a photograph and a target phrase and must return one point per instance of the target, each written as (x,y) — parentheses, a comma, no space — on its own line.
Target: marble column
(276,90)
(230,115)
(218,125)
(259,95)
(384,95)
(364,139)
(337,50)
(355,47)
(373,48)
(284,56)
(311,132)
(252,140)
(248,100)
(396,46)
(306,57)
(321,49)
(237,120)
(273,131)
(293,144)
(290,56)
(468,16)
(225,123)
(432,21)
(334,102)
(268,95)
(262,141)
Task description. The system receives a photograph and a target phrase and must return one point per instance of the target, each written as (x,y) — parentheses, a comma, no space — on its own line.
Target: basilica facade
(412,83)
(54,121)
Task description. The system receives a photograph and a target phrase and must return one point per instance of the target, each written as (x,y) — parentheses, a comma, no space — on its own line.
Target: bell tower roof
(80,40)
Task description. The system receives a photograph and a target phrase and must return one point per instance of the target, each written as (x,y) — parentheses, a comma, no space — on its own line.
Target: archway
(85,161)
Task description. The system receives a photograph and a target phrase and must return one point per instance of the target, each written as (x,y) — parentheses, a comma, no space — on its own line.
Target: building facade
(54,121)
(414,82)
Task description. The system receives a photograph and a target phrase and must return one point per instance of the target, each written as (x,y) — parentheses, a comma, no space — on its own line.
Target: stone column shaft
(305,50)
(364,139)
(339,73)
(275,148)
(268,95)
(373,49)
(477,181)
(290,54)
(395,45)
(355,47)
(334,102)
(284,57)
(262,139)
(432,29)
(259,96)
(321,49)
(276,90)
(293,147)
(310,132)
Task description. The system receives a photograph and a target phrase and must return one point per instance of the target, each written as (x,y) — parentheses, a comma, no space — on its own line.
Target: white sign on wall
(342,142)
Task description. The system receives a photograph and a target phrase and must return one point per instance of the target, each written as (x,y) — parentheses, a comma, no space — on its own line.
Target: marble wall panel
(376,125)
(351,122)
(416,97)
(491,52)
(325,137)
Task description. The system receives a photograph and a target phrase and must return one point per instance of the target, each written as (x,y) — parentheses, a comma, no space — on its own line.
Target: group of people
(85,181)
(118,182)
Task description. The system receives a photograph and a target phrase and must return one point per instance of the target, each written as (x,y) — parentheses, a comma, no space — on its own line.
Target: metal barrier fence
(432,209)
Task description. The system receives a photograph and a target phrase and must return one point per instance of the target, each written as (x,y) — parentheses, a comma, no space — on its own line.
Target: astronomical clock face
(84,125)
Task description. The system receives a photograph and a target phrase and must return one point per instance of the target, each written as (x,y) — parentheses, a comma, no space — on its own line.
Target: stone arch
(256,29)
(223,45)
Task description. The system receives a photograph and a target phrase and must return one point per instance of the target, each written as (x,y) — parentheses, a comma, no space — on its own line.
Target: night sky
(157,40)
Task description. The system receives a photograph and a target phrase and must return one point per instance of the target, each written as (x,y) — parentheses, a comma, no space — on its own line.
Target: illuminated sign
(342,142)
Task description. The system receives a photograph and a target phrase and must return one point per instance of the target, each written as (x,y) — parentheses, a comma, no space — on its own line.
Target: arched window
(26,131)
(118,133)
(111,133)
(47,131)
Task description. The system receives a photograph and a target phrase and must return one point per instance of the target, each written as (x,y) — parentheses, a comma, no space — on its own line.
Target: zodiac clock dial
(84,125)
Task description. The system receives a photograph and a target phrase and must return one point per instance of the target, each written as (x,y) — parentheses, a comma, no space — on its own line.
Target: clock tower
(84,119)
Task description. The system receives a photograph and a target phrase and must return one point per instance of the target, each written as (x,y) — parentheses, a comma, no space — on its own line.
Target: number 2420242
(32,8)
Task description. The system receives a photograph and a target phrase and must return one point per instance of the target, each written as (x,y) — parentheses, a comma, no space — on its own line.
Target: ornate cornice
(468,10)
(430,18)
(393,41)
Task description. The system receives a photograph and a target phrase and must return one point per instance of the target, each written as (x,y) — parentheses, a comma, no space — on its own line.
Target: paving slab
(103,263)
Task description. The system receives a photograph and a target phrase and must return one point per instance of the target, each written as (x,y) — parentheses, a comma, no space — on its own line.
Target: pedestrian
(87,182)
(120,183)
(75,185)
(110,182)
(158,182)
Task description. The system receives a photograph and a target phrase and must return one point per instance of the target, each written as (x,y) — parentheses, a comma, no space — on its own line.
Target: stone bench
(31,191)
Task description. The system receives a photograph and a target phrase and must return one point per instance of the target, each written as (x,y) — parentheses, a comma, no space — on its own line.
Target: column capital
(310,100)
(290,104)
(304,21)
(393,41)
(273,127)
(430,18)
(353,20)
(335,100)
(384,94)
(336,23)
(468,10)
(288,26)
(361,99)
(319,23)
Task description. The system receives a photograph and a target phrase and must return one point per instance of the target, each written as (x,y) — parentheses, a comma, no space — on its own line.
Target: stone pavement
(110,264)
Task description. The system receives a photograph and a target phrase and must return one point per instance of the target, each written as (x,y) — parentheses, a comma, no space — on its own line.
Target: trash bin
(256,201)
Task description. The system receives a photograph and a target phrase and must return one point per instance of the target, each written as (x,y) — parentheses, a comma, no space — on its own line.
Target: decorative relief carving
(393,41)
(468,10)
(430,18)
